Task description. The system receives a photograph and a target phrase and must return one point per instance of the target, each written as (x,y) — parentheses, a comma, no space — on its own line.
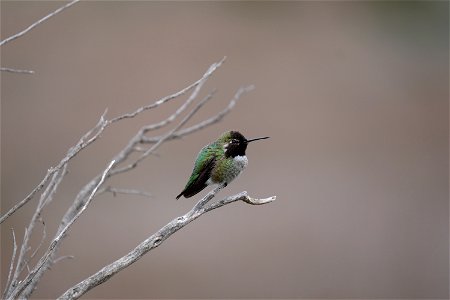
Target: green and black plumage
(218,163)
(207,160)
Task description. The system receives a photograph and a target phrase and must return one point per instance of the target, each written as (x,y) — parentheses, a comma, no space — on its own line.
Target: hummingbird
(219,162)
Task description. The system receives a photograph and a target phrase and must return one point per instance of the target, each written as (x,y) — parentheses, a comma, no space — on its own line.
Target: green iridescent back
(211,151)
(203,157)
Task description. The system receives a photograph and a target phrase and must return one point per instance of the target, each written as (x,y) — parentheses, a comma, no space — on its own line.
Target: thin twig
(11,265)
(45,198)
(20,288)
(157,239)
(208,73)
(143,150)
(183,107)
(15,36)
(20,265)
(57,260)
(44,236)
(116,191)
(136,140)
(82,143)
(12,70)
(214,119)
(163,139)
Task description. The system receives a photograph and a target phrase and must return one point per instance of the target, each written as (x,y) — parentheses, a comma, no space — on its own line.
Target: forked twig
(16,292)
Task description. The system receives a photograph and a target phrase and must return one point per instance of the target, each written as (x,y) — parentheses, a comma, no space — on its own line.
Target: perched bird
(218,163)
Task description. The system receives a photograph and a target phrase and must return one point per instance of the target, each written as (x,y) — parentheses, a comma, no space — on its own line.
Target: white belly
(232,171)
(239,164)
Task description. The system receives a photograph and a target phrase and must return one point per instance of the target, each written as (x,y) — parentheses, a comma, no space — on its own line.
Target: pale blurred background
(354,97)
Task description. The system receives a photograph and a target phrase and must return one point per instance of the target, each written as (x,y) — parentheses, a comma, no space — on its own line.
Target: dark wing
(198,182)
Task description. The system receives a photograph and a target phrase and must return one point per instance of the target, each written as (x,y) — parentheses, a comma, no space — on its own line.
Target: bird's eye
(234,141)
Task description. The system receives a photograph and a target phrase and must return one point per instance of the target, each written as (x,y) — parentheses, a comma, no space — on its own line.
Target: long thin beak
(260,138)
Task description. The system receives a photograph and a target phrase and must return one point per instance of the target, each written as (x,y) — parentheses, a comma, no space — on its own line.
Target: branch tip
(259,201)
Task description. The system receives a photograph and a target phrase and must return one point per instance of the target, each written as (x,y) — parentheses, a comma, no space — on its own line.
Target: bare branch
(46,197)
(25,287)
(44,236)
(17,35)
(129,148)
(144,149)
(214,119)
(98,129)
(163,139)
(11,70)
(116,191)
(11,264)
(61,258)
(155,240)
(82,143)
(20,265)
(20,288)
(136,140)
(208,73)
(29,197)
(240,197)
(200,204)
